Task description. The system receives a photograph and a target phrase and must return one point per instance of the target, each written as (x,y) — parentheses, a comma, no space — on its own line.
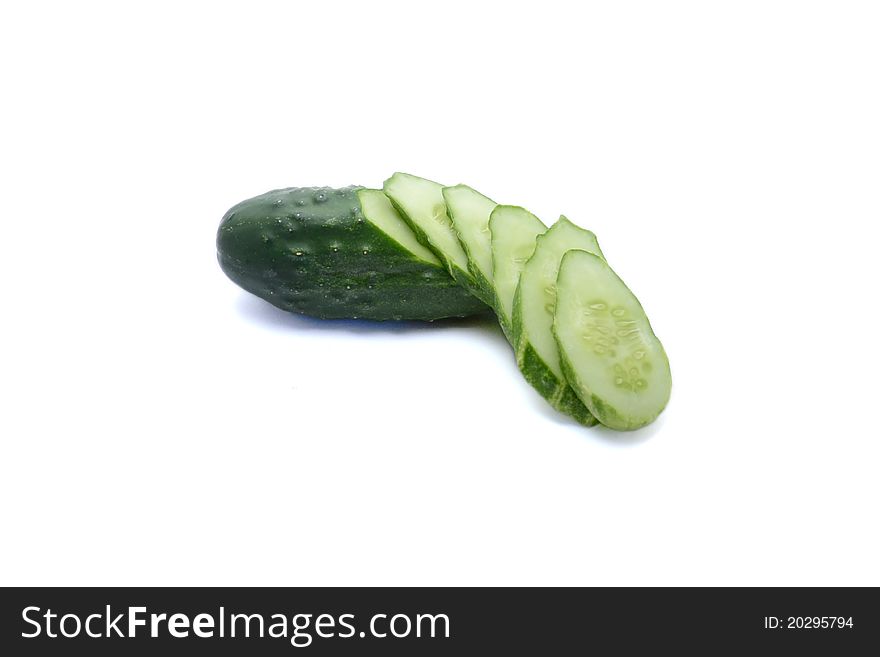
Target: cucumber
(608,351)
(420,202)
(513,231)
(470,211)
(336,253)
(533,307)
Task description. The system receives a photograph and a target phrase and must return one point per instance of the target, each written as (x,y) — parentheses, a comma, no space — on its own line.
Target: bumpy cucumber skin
(309,250)
(558,393)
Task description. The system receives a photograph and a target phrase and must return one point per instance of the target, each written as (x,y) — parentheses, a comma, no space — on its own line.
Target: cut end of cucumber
(378,210)
(420,202)
(608,351)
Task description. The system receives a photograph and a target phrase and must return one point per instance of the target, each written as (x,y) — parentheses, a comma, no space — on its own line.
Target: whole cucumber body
(336,253)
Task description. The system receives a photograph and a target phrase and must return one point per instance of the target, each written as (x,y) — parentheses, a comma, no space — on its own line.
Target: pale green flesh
(470,212)
(421,204)
(536,293)
(513,231)
(609,352)
(377,209)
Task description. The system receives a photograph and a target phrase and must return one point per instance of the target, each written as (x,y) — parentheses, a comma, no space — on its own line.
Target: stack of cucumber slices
(419,250)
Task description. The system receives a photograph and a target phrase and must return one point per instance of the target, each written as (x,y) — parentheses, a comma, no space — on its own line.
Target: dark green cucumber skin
(561,396)
(309,250)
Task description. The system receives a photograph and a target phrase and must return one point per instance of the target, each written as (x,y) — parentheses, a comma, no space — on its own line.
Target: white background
(161,426)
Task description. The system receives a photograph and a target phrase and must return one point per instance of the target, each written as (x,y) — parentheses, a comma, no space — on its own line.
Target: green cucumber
(336,253)
(420,202)
(608,351)
(470,211)
(534,304)
(513,231)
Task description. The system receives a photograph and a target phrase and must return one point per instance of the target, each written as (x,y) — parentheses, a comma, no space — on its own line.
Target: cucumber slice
(470,212)
(513,231)
(420,202)
(608,351)
(533,308)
